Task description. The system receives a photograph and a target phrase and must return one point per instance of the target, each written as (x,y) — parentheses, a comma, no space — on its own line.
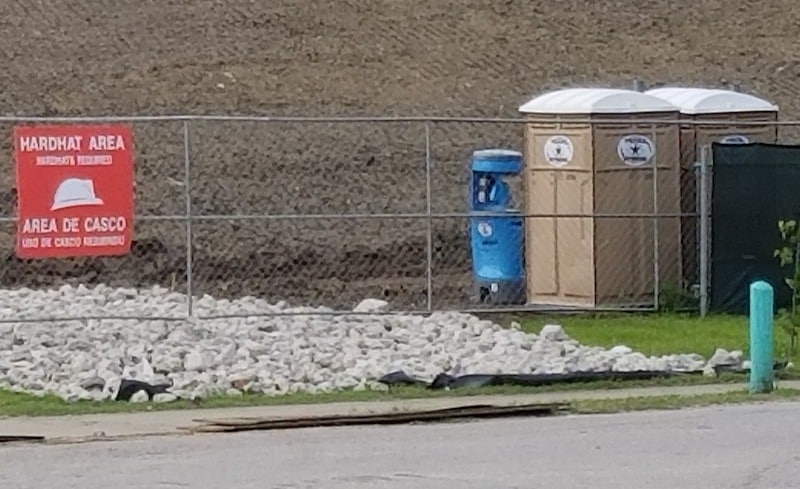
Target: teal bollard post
(761,324)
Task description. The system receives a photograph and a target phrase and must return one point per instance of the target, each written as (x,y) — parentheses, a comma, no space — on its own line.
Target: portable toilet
(707,104)
(591,151)
(496,228)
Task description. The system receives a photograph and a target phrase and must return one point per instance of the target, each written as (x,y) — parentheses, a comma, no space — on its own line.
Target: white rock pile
(273,355)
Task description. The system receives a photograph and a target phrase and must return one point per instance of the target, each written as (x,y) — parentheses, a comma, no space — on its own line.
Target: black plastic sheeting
(129,387)
(754,186)
(446,381)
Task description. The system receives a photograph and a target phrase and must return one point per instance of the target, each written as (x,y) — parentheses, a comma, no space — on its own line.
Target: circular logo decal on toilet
(734,139)
(485,229)
(558,151)
(635,149)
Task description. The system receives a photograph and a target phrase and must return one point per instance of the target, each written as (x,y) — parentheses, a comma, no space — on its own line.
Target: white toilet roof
(711,100)
(596,101)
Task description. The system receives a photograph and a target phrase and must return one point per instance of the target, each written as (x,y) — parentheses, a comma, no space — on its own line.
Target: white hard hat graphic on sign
(74,192)
(734,139)
(635,149)
(558,150)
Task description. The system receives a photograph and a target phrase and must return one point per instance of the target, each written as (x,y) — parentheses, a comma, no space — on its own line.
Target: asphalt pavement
(746,446)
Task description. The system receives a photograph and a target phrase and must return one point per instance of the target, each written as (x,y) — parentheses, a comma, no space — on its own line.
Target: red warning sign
(74,190)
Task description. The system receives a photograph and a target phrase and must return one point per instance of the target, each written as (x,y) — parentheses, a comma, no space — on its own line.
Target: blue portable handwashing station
(496,229)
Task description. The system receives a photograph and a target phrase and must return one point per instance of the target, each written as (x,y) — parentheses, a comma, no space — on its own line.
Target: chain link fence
(320,214)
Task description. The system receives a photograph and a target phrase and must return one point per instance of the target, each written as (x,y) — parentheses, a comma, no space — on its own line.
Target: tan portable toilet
(706,104)
(577,166)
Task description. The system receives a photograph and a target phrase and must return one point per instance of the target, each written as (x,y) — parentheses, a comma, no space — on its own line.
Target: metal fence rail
(324,212)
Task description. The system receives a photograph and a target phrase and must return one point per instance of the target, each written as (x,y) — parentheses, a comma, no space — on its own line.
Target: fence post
(703,231)
(429,230)
(761,319)
(187,186)
(656,254)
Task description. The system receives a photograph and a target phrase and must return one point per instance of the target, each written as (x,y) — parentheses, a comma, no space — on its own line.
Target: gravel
(274,355)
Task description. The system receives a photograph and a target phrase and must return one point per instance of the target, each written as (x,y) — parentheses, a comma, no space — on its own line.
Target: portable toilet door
(731,109)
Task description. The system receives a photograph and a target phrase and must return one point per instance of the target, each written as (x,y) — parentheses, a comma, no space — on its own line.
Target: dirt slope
(346,57)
